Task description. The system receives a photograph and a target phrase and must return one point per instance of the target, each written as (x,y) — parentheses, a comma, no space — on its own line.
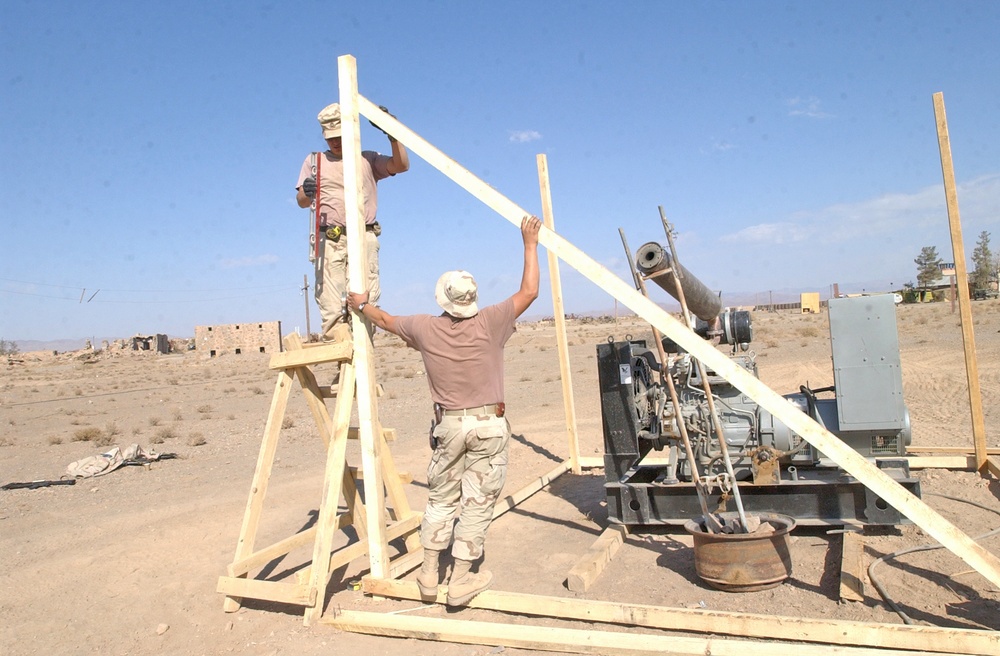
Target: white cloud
(248,261)
(979,203)
(524,136)
(810,107)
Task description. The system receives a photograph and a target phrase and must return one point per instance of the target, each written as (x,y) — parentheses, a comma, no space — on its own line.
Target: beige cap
(329,120)
(457,293)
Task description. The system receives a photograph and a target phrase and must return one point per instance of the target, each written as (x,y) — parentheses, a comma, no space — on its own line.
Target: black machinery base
(818,497)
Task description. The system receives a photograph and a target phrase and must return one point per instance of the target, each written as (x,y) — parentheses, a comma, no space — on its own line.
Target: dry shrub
(54,440)
(204,409)
(87,434)
(112,429)
(178,415)
(808,331)
(154,421)
(6,440)
(288,422)
(256,390)
(230,417)
(196,439)
(165,433)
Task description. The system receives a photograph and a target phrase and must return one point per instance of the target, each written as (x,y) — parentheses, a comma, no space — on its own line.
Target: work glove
(375,125)
(309,187)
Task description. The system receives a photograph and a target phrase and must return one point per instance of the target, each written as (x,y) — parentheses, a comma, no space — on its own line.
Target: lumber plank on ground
(852,567)
(732,624)
(548,638)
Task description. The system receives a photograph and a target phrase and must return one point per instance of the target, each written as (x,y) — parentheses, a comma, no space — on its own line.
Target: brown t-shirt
(463,357)
(374,167)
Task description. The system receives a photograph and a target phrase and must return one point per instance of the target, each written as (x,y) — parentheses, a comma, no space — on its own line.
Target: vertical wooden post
(261,477)
(962,276)
(560,315)
(357,262)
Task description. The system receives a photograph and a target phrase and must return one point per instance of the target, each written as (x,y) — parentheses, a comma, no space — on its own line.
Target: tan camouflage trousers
(331,277)
(465,476)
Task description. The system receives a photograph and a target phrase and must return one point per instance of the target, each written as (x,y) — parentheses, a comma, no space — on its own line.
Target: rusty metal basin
(743,562)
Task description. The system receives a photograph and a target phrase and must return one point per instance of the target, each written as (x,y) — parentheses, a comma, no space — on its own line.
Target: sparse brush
(256,390)
(154,421)
(87,434)
(178,415)
(204,409)
(54,440)
(165,433)
(196,439)
(112,429)
(287,422)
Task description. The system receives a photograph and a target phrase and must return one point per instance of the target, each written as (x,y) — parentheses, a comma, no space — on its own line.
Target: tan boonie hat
(457,293)
(329,120)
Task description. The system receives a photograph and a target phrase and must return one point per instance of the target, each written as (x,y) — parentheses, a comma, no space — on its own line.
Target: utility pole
(305,295)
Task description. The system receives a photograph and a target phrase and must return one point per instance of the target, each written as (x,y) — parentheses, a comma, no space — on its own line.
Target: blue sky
(148,151)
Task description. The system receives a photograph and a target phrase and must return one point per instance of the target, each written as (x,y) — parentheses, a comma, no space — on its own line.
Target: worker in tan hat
(462,350)
(322,175)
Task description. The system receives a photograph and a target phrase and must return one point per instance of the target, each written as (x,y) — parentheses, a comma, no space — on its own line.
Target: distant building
(239,338)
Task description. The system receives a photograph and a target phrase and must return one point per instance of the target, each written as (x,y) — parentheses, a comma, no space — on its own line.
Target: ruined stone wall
(239,338)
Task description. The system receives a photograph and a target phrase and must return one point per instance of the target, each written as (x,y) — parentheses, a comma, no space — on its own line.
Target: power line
(145,291)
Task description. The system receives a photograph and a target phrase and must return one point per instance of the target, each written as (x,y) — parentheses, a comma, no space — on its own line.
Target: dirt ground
(128,563)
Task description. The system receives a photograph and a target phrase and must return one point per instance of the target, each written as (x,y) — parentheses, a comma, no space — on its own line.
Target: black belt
(369,227)
(496,409)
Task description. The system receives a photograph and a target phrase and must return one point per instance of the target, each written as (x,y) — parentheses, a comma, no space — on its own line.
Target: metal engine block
(777,471)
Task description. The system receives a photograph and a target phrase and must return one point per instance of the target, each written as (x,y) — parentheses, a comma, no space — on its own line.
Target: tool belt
(496,409)
(334,233)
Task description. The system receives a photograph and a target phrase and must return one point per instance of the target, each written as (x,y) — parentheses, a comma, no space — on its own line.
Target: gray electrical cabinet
(866,367)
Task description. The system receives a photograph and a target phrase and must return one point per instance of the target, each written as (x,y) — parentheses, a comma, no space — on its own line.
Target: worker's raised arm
(375,314)
(528,292)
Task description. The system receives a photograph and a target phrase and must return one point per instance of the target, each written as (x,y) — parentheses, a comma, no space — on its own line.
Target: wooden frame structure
(830,636)
(310,589)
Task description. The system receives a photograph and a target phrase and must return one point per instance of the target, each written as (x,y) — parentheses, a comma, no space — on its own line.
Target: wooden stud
(333,482)
(261,476)
(286,593)
(332,352)
(942,462)
(954,450)
(592,564)
(724,623)
(357,262)
(549,638)
(962,276)
(852,567)
(559,312)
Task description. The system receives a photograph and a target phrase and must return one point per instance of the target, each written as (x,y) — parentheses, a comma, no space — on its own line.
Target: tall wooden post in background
(962,278)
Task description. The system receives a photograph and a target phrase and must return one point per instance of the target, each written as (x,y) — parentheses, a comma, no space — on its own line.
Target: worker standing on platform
(462,351)
(324,172)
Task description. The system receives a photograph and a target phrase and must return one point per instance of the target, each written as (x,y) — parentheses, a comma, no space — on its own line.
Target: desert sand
(128,563)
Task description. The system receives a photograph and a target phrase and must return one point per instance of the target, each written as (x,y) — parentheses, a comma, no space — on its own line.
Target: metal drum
(743,562)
